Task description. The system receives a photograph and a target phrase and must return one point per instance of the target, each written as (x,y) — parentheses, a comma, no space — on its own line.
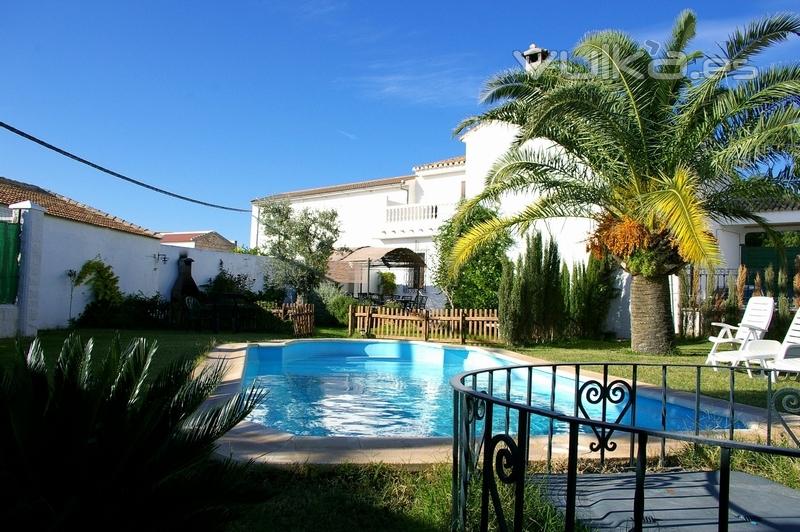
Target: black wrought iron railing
(505,419)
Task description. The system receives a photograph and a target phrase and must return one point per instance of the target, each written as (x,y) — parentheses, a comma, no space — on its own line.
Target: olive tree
(300,243)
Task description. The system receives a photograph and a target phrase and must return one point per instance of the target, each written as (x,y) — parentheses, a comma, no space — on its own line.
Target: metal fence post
(572,477)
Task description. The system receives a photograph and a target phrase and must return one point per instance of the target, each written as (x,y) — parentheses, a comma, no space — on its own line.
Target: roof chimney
(535,56)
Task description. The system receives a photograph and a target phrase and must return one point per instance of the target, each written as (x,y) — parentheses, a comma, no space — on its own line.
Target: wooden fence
(440,325)
(301,316)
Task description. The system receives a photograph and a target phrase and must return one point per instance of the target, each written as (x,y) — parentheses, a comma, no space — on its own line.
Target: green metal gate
(757,259)
(9,262)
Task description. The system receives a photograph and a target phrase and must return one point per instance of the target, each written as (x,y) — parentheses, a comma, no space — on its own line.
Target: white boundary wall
(52,246)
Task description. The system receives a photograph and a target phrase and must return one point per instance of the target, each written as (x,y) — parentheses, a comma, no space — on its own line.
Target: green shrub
(328,291)
(101,279)
(388,283)
(339,308)
(592,287)
(120,441)
(540,301)
(477,282)
(108,307)
(322,316)
(227,283)
(135,311)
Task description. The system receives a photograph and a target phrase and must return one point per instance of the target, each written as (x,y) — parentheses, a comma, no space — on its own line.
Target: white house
(406,212)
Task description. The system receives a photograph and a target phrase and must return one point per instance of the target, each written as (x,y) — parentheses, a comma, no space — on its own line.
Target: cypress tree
(565,300)
(504,300)
(552,304)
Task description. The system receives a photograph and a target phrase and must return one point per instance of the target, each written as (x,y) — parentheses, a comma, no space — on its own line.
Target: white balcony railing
(416,218)
(411,213)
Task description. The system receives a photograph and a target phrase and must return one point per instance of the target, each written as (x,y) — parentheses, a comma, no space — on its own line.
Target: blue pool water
(386,388)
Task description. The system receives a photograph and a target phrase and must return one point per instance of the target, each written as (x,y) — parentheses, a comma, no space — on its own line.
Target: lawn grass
(713,383)
(373,497)
(171,343)
(349,497)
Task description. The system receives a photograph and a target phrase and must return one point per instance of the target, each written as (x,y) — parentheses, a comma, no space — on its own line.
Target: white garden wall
(48,301)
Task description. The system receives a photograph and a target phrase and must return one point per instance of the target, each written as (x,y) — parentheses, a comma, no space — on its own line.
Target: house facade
(406,212)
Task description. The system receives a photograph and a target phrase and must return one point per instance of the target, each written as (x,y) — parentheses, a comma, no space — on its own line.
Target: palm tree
(649,150)
(115,440)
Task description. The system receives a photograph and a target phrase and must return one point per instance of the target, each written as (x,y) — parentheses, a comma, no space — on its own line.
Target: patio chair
(755,322)
(779,356)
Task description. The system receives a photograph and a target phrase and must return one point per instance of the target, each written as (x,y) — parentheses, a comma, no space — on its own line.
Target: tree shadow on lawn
(347,498)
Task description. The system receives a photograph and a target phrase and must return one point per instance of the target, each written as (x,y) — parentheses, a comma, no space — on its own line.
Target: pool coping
(250,441)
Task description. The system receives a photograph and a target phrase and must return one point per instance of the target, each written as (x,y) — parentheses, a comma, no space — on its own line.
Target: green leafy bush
(328,291)
(591,289)
(114,441)
(135,311)
(109,307)
(339,307)
(101,279)
(477,282)
(388,283)
(227,283)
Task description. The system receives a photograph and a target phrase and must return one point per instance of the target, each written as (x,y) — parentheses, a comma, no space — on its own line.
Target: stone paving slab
(679,501)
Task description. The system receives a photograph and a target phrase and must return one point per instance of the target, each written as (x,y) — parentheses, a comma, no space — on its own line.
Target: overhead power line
(103,169)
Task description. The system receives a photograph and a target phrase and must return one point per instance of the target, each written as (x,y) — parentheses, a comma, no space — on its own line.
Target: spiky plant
(741,283)
(757,291)
(649,151)
(112,441)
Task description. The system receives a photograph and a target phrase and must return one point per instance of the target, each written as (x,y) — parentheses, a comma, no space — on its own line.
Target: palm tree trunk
(652,328)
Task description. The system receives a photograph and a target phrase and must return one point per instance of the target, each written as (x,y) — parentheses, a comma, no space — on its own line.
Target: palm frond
(765,138)
(683,31)
(620,61)
(591,110)
(677,207)
(35,357)
(534,171)
(477,237)
(741,46)
(209,424)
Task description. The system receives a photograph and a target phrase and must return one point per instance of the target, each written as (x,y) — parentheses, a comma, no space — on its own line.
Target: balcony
(416,219)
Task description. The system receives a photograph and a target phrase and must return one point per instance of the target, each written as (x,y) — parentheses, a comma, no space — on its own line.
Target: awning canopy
(341,266)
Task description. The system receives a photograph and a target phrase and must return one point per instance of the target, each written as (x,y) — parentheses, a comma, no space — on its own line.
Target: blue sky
(228,101)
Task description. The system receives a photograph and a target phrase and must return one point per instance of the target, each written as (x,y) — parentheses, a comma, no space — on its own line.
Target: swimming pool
(398,388)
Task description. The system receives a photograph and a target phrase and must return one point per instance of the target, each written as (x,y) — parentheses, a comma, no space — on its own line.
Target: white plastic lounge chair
(755,322)
(785,356)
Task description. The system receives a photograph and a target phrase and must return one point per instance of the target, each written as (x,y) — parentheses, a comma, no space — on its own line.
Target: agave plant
(112,441)
(647,148)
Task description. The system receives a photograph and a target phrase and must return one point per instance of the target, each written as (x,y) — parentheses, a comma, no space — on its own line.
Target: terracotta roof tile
(444,163)
(167,238)
(62,207)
